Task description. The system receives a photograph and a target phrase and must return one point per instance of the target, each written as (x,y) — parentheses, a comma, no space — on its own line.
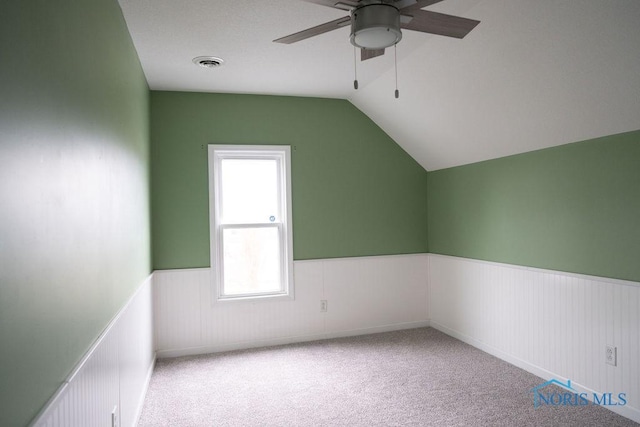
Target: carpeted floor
(418,377)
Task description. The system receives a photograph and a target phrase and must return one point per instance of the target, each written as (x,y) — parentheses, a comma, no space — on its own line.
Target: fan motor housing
(375,26)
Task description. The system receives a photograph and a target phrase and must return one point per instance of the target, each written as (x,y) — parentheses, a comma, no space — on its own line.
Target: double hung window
(250,217)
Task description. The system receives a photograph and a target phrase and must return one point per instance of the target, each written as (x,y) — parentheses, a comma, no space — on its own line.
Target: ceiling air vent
(208,61)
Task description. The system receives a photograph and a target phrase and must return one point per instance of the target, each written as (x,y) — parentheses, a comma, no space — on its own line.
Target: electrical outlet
(611,354)
(323,305)
(115,419)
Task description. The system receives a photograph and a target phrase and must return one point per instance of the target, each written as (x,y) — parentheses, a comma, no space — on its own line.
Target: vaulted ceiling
(532,74)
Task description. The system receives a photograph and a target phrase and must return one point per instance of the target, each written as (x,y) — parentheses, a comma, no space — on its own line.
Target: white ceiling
(532,74)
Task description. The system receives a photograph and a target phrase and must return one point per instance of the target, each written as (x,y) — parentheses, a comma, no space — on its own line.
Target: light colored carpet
(418,377)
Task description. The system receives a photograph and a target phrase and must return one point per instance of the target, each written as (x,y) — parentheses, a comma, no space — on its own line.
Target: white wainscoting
(550,323)
(114,372)
(364,294)
(553,324)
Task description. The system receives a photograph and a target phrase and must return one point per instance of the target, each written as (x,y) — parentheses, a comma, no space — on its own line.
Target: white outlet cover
(611,355)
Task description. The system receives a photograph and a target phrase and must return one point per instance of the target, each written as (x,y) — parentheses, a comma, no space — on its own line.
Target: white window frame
(281,153)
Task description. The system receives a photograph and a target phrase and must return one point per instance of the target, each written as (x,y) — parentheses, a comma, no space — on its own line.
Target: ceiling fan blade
(405,5)
(334,3)
(440,24)
(314,31)
(370,53)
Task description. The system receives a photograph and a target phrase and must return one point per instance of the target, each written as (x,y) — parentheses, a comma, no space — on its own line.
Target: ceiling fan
(377,24)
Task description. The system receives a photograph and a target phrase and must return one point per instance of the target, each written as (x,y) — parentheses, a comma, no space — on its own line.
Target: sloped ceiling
(533,74)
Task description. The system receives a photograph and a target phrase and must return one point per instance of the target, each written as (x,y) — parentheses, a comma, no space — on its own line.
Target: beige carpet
(418,377)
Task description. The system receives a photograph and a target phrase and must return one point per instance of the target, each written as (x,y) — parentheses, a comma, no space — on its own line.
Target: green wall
(74,185)
(74,178)
(355,191)
(573,208)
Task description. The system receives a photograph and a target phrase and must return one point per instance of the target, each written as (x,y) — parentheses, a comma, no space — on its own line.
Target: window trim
(216,153)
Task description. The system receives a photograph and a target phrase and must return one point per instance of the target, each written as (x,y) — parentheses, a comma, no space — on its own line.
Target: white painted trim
(282,154)
(364,257)
(178,270)
(625,411)
(296,261)
(147,381)
(522,364)
(108,332)
(542,270)
(429,255)
(288,340)
(428,279)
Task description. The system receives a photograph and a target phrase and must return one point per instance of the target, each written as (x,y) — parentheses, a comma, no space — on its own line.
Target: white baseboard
(288,340)
(145,388)
(522,364)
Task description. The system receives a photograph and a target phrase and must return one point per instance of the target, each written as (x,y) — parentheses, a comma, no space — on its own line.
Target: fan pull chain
(395,61)
(355,70)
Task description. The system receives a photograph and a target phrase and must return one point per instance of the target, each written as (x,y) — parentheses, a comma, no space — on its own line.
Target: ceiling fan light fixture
(375,26)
